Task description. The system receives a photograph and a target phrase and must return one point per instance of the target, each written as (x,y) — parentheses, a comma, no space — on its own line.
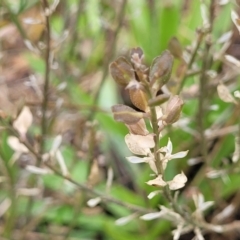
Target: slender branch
(110,53)
(203,84)
(192,59)
(103,197)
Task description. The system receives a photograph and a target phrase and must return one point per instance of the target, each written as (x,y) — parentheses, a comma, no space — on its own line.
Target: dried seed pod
(138,98)
(175,47)
(160,70)
(122,71)
(173,110)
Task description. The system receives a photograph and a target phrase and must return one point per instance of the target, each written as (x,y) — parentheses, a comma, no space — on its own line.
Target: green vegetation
(85,84)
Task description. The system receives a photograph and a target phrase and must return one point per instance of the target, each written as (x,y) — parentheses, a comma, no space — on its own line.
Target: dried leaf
(235,19)
(236,154)
(4,206)
(24,121)
(61,163)
(134,159)
(157,182)
(15,144)
(224,94)
(122,71)
(124,220)
(94,175)
(153,194)
(177,182)
(233,60)
(28,191)
(139,144)
(151,216)
(125,114)
(56,144)
(93,202)
(37,170)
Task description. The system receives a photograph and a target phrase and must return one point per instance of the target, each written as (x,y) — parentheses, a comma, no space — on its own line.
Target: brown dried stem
(110,53)
(47,77)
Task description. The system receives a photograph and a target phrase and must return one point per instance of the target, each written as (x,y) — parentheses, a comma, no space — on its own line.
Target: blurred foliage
(85,37)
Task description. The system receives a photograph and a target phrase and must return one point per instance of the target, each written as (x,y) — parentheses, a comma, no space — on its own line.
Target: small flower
(168,154)
(178,182)
(200,204)
(149,159)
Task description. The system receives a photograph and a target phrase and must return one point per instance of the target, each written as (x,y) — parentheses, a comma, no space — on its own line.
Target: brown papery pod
(138,98)
(173,110)
(158,100)
(125,114)
(175,47)
(160,70)
(122,71)
(138,128)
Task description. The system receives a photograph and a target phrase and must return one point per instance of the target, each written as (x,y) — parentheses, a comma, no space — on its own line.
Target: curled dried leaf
(125,114)
(122,71)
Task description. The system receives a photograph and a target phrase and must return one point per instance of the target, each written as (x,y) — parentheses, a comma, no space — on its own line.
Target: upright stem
(109,55)
(203,83)
(47,77)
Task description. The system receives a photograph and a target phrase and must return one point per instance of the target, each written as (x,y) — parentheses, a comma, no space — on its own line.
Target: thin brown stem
(47,77)
(103,197)
(110,53)
(192,59)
